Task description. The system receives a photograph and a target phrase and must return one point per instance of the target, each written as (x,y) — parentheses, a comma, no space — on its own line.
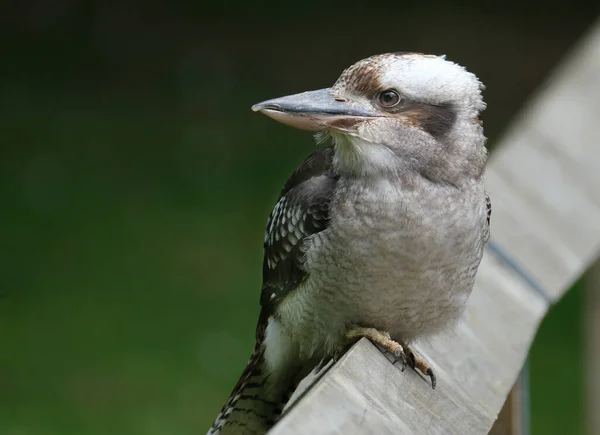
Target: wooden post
(543,182)
(592,329)
(514,416)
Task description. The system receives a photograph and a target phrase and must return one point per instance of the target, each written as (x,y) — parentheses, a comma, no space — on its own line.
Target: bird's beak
(315,110)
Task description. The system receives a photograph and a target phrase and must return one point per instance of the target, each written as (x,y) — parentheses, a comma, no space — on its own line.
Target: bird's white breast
(395,257)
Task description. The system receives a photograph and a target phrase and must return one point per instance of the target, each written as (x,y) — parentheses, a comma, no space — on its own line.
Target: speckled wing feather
(302,211)
(488,206)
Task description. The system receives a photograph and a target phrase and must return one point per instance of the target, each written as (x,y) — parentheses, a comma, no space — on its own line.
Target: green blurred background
(135,185)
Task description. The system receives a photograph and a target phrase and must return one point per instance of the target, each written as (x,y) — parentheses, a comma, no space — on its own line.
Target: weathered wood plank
(544,177)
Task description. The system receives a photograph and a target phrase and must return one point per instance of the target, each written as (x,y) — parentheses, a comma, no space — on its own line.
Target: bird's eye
(389,98)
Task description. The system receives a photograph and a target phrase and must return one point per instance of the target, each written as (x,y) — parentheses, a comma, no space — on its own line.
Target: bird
(378,234)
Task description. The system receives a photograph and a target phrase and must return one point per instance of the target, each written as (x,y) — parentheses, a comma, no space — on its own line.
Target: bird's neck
(458,158)
(355,157)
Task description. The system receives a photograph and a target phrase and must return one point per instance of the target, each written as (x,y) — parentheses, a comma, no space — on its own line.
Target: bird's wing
(302,211)
(488,206)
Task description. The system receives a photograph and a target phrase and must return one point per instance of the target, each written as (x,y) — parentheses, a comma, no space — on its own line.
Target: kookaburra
(377,235)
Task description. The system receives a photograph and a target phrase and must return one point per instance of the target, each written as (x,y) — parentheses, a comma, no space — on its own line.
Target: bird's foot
(416,361)
(401,351)
(382,339)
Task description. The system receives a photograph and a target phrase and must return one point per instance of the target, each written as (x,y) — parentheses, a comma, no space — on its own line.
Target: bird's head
(396,112)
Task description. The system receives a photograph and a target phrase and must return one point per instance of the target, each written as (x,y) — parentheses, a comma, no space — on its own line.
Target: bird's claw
(432,377)
(401,356)
(401,351)
(418,363)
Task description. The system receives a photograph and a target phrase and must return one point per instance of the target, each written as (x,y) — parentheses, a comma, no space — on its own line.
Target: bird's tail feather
(255,402)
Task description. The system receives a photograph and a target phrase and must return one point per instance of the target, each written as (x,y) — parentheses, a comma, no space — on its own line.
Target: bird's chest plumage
(388,230)
(396,257)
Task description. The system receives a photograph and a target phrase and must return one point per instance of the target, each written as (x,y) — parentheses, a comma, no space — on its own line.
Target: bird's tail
(256,401)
